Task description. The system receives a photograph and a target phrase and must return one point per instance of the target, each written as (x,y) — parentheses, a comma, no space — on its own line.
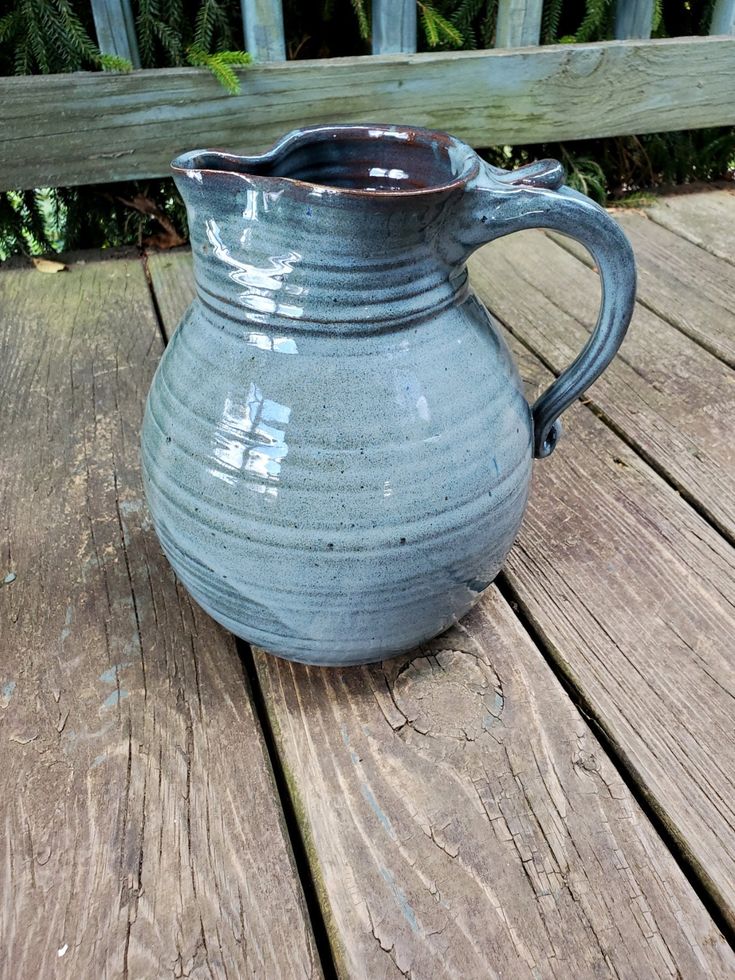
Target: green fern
(363,24)
(221,64)
(657,18)
(48,37)
(463,18)
(113,62)
(585,175)
(437,29)
(160,26)
(596,22)
(550,21)
(212,29)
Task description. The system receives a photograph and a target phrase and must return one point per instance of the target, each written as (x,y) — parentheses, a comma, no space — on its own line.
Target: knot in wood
(449,694)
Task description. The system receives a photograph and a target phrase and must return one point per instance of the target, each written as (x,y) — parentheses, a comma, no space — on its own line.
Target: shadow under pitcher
(337,449)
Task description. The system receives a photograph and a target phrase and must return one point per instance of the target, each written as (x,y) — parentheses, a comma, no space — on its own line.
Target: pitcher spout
(333,225)
(365,159)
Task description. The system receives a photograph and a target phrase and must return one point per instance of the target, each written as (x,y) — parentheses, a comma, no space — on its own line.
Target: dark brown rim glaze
(184,163)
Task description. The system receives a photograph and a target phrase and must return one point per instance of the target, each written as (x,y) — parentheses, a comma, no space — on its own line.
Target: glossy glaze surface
(336,447)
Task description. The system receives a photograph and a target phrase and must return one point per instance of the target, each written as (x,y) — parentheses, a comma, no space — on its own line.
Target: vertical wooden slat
(633,19)
(519,23)
(723,18)
(264,35)
(394,26)
(115,27)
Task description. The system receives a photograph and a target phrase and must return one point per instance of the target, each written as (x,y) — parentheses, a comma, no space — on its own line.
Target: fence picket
(394,26)
(633,19)
(723,18)
(115,28)
(264,35)
(519,23)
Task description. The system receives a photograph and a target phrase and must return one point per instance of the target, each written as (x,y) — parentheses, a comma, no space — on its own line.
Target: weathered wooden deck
(548,790)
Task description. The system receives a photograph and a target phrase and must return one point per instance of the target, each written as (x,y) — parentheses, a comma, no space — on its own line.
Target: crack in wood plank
(141,830)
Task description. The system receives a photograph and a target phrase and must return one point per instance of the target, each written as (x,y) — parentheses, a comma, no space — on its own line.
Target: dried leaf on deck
(48,266)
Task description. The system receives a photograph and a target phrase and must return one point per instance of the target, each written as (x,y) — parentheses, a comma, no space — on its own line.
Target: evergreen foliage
(50,36)
(221,65)
(437,29)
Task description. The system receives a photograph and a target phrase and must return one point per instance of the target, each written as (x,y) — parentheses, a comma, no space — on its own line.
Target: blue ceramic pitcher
(337,449)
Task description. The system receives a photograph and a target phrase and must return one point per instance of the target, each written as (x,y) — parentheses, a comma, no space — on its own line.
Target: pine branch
(113,62)
(594,23)
(550,21)
(463,18)
(221,65)
(437,29)
(211,23)
(657,18)
(363,24)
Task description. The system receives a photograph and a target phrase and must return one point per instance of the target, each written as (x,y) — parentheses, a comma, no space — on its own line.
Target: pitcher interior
(359,158)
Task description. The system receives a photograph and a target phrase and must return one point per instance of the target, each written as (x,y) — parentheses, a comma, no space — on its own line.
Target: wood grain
(393,26)
(263,26)
(634,596)
(141,834)
(633,18)
(87,127)
(114,26)
(172,278)
(723,17)
(673,400)
(461,819)
(519,23)
(680,282)
(464,822)
(706,219)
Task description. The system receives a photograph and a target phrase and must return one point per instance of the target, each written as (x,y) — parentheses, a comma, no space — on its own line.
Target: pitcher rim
(184,164)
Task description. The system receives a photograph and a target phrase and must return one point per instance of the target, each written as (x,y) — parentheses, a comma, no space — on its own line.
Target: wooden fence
(88,127)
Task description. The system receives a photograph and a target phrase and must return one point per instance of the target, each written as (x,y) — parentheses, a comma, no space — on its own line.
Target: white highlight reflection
(260,282)
(281,345)
(251,438)
(393,174)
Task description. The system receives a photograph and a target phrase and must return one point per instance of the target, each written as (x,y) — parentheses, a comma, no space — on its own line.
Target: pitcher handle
(535,197)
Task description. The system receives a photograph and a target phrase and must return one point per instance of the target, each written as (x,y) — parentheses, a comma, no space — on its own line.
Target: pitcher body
(337,449)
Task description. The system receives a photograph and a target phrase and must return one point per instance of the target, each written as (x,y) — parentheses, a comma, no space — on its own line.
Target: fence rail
(89,127)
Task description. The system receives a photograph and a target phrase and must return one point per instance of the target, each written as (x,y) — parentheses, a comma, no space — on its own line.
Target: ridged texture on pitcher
(336,447)
(337,508)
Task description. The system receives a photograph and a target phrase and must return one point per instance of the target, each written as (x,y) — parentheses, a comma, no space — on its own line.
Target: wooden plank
(264,34)
(115,27)
(633,19)
(86,127)
(141,830)
(634,596)
(465,822)
(680,282)
(671,398)
(706,219)
(723,17)
(462,820)
(519,23)
(393,26)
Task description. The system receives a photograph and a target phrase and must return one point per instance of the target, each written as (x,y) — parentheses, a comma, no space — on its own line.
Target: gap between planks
(678,280)
(663,394)
(294,829)
(169,287)
(705,219)
(141,832)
